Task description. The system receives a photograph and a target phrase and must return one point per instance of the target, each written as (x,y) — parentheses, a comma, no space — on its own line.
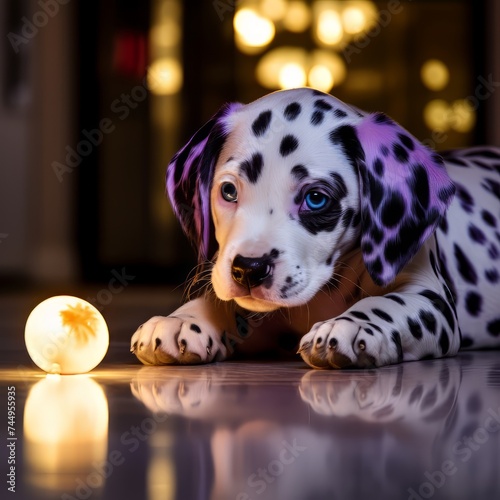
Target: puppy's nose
(250,271)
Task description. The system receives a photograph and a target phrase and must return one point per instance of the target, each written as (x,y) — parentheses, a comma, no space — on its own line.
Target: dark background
(85,69)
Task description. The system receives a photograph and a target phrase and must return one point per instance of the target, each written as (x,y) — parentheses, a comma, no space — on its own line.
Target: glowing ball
(66,335)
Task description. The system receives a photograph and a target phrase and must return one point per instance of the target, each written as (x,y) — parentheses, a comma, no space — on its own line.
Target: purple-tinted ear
(189,178)
(404,192)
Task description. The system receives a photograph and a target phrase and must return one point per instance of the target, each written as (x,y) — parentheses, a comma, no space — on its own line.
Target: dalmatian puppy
(333,230)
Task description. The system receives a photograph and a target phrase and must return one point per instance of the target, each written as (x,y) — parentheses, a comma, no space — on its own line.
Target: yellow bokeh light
(273,9)
(463,116)
(252,29)
(437,115)
(165,76)
(297,17)
(66,335)
(332,61)
(354,20)
(321,78)
(166,35)
(329,27)
(292,75)
(435,74)
(271,64)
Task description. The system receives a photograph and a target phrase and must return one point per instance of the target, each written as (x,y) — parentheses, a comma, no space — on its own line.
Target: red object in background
(130,53)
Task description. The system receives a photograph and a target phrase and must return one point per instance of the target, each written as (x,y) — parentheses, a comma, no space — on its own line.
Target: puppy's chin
(256,305)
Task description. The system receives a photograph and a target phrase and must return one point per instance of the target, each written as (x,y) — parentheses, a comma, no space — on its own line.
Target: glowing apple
(66,335)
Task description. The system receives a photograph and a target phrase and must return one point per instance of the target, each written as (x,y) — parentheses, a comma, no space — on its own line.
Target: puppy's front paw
(343,342)
(177,339)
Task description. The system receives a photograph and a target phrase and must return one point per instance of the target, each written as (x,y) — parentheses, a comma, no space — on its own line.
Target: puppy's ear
(189,178)
(404,193)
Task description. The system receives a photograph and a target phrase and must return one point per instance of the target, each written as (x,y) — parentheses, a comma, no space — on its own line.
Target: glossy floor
(249,430)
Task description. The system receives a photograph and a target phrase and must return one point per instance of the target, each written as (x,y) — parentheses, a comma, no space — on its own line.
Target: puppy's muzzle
(251,272)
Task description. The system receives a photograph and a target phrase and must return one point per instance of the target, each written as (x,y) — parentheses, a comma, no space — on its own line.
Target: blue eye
(315,200)
(229,192)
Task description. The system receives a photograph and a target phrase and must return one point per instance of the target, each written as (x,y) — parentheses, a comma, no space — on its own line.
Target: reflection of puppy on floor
(400,419)
(341,228)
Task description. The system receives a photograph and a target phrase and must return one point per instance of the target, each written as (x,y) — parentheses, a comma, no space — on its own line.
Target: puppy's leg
(401,326)
(192,334)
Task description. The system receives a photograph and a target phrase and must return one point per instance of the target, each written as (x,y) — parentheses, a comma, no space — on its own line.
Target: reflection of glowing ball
(66,335)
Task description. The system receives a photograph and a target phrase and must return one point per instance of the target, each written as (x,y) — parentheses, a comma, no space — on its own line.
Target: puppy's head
(277,191)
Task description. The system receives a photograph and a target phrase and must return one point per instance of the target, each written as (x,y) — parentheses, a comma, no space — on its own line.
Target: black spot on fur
(457,161)
(464,266)
(397,299)
(375,327)
(288,145)
(359,315)
(466,342)
(253,168)
(393,210)
(407,141)
(444,342)
(491,275)
(466,200)
(440,305)
(195,328)
(300,172)
(476,234)
(322,104)
(493,327)
(396,338)
(432,260)
(381,118)
(378,166)
(367,248)
(317,117)
(372,187)
(492,186)
(443,225)
(400,153)
(428,320)
(489,218)
(445,194)
(339,113)
(383,315)
(261,123)
(420,185)
(493,252)
(473,303)
(384,150)
(415,328)
(346,137)
(485,153)
(292,111)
